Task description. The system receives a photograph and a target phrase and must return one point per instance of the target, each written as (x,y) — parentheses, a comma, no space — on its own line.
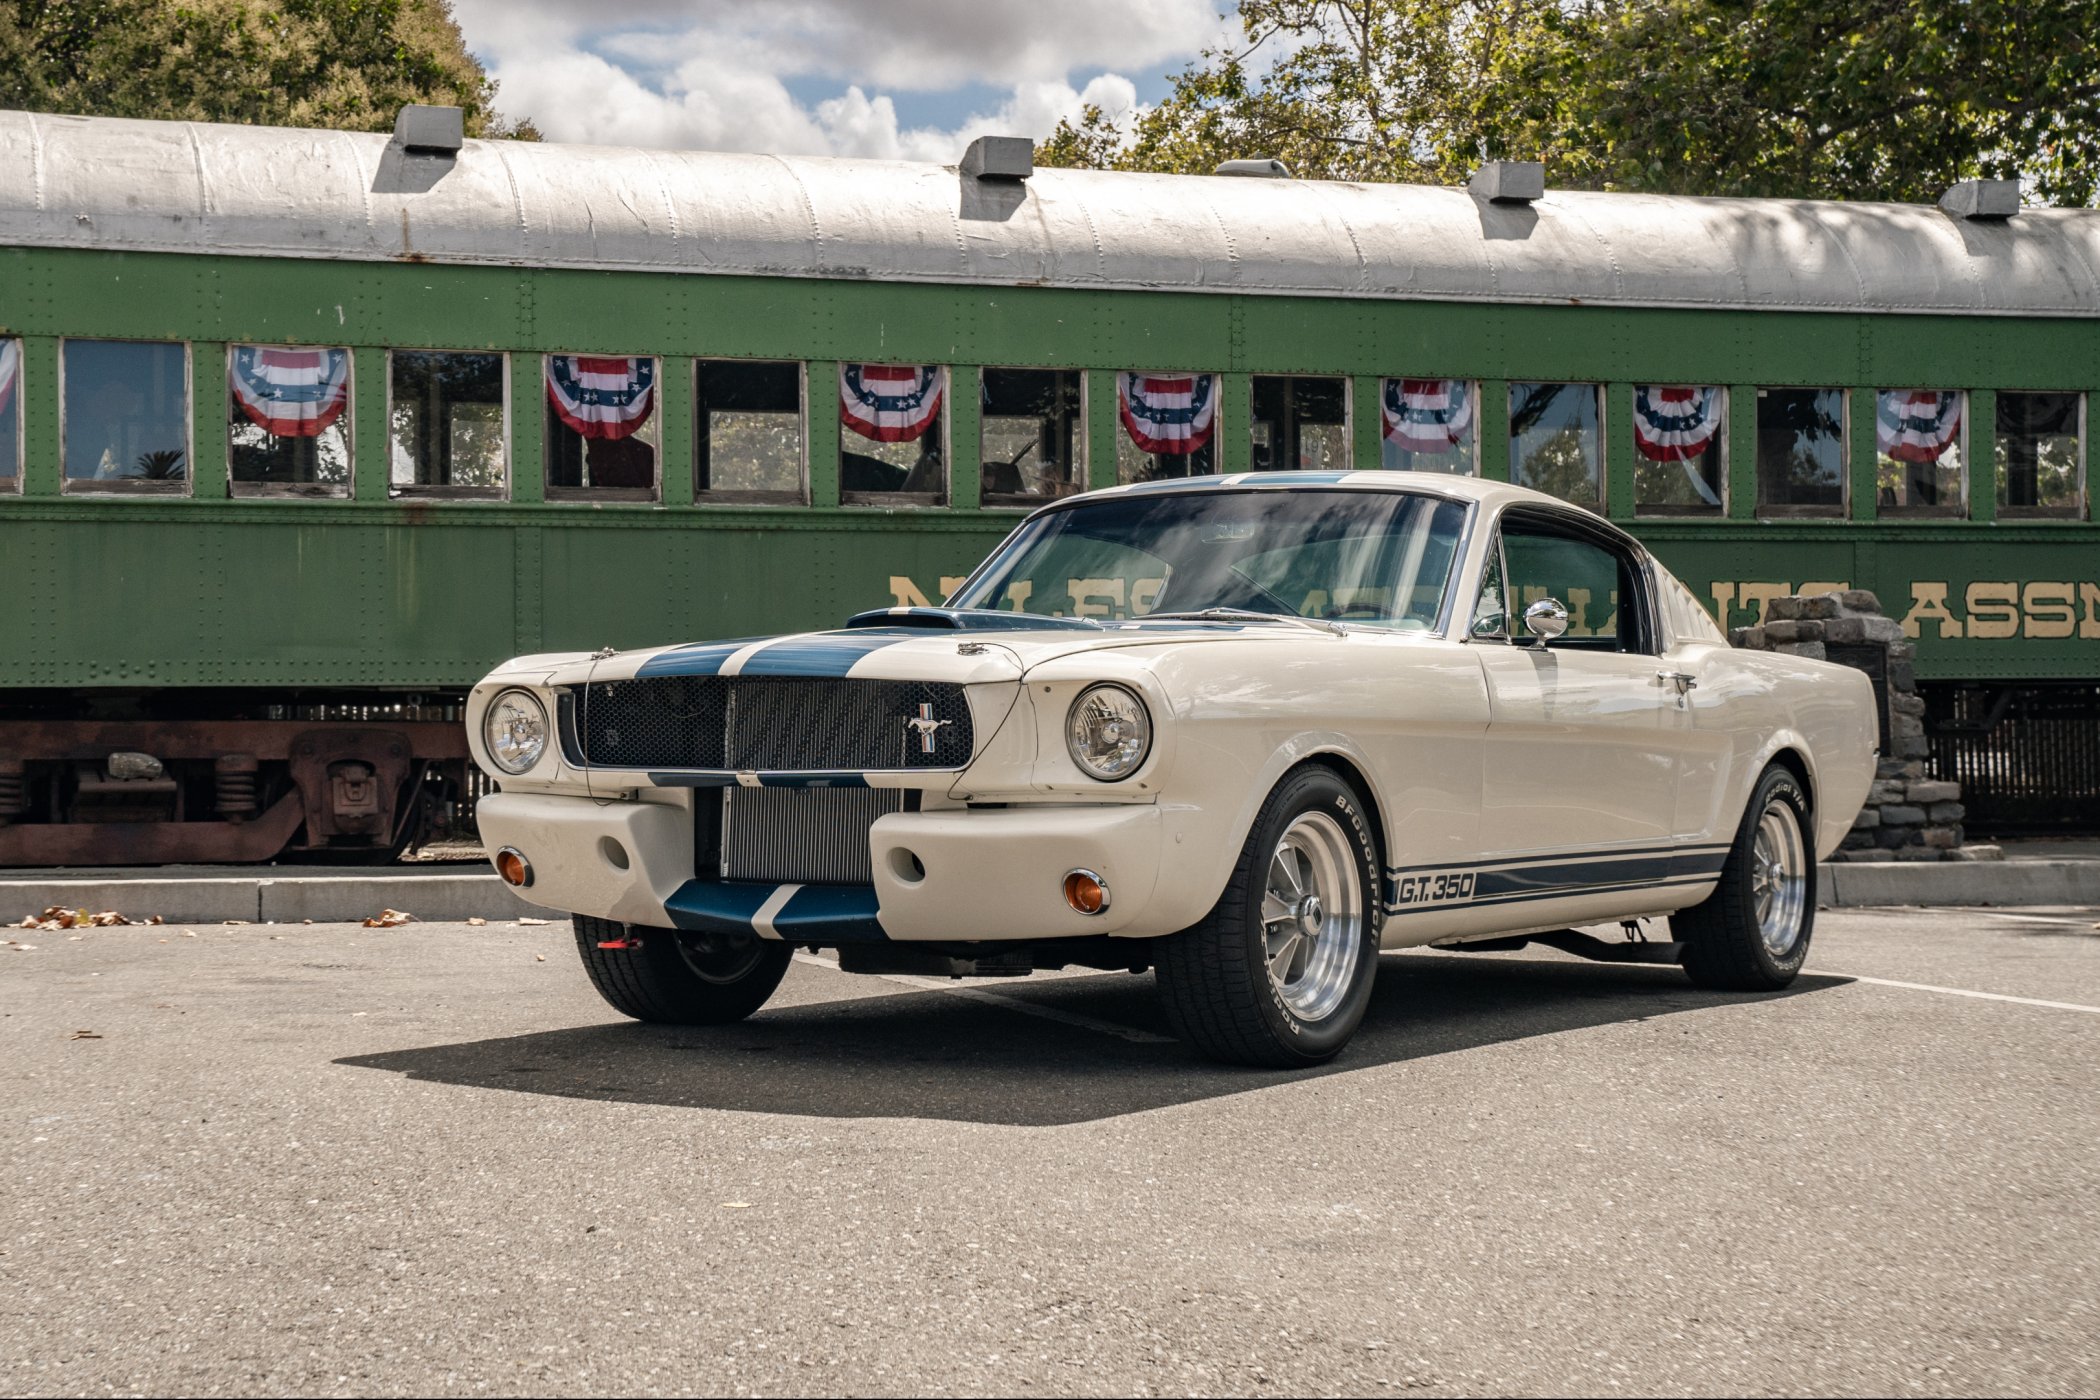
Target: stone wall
(1909,813)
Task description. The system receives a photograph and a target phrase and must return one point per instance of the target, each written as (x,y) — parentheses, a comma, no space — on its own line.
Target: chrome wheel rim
(1779,878)
(1312,916)
(720,958)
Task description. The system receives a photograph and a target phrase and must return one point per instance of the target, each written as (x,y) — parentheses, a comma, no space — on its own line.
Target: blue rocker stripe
(1564,876)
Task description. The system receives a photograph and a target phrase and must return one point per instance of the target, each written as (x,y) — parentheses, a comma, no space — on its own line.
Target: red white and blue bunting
(891,403)
(10,366)
(1427,415)
(1172,414)
(290,392)
(603,397)
(1917,425)
(1678,423)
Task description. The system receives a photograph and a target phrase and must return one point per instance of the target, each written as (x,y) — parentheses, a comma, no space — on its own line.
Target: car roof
(1491,496)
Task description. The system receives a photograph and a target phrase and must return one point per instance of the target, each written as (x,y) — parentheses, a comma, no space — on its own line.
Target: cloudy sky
(909,79)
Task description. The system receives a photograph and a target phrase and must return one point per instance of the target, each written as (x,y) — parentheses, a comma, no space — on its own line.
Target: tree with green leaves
(1853,99)
(346,64)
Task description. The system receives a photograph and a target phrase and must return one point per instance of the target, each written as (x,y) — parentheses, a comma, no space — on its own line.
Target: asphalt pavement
(428,1160)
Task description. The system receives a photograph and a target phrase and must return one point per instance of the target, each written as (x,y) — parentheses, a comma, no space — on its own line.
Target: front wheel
(1751,934)
(1280,972)
(683,979)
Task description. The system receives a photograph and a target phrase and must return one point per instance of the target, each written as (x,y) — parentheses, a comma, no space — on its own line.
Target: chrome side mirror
(1546,619)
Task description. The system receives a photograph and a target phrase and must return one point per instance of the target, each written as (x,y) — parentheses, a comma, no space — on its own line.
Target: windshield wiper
(1248,615)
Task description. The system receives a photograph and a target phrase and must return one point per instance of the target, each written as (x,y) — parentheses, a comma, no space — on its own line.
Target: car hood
(908,644)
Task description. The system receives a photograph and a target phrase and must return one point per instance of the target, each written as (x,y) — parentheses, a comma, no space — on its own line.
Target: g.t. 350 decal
(1436,887)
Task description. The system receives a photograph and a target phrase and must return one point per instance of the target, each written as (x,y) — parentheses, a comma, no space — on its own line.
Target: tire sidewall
(1321,791)
(1783,785)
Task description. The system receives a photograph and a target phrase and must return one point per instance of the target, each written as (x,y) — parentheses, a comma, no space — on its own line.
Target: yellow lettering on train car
(2049,610)
(1928,603)
(1994,610)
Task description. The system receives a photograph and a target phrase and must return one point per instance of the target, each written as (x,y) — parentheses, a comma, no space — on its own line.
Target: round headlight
(515,731)
(1108,732)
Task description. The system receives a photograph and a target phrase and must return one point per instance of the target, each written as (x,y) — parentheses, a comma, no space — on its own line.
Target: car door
(1579,783)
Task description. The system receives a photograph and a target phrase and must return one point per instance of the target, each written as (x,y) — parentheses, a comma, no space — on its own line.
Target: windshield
(1378,557)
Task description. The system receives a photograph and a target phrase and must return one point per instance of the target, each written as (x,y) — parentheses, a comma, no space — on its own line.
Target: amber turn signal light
(513,867)
(1086,892)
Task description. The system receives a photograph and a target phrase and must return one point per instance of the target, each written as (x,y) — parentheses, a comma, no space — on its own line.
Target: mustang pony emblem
(925,726)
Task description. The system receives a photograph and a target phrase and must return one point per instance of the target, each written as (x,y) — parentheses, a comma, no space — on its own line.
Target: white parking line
(1026,1008)
(1960,992)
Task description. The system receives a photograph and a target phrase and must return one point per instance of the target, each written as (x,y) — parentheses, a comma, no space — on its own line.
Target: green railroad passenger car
(300,431)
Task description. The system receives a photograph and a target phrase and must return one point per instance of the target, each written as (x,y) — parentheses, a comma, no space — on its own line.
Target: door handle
(1683,680)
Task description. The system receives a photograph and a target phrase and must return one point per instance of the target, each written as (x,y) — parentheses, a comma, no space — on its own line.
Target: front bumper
(989,875)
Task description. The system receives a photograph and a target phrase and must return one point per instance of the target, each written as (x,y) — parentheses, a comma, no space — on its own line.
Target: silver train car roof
(181,187)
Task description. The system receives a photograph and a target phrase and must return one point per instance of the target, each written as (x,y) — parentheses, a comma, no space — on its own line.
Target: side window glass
(126,423)
(447,423)
(1801,452)
(1594,583)
(1033,435)
(601,432)
(747,431)
(10,416)
(1490,610)
(1169,421)
(893,449)
(287,420)
(1300,423)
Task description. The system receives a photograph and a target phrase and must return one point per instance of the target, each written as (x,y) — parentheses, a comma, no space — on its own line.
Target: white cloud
(715,76)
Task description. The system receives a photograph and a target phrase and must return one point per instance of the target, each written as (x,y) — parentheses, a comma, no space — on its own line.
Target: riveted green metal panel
(1978,452)
(965,435)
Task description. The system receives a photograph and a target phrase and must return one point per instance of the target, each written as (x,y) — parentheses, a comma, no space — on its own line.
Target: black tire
(1214,978)
(1726,947)
(682,979)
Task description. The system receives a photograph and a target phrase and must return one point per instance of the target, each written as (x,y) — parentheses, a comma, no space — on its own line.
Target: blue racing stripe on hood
(699,659)
(825,654)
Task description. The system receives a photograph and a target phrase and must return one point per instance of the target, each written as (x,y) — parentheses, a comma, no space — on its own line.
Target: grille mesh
(809,836)
(769,724)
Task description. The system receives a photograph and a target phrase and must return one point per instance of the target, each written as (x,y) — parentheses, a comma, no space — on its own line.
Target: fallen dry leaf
(391,918)
(21,947)
(736,1205)
(156,919)
(234,923)
(108,918)
(539,957)
(534,923)
(85,1035)
(477,923)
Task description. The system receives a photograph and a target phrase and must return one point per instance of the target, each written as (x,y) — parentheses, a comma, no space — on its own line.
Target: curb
(440,898)
(1957,883)
(450,897)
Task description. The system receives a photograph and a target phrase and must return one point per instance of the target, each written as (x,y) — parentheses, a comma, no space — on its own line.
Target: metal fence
(2027,756)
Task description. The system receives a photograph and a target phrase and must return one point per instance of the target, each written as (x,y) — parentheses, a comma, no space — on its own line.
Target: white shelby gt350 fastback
(1245,730)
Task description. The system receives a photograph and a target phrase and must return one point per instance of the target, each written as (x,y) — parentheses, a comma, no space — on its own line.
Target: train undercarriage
(171,777)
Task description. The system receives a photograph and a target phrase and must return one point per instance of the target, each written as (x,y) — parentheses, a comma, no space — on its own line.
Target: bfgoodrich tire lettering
(679,978)
(1280,972)
(1752,933)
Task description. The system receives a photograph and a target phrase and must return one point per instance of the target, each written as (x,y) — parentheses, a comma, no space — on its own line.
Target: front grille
(805,836)
(769,724)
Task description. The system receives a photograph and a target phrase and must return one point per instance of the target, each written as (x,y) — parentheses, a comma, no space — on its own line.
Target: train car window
(1169,425)
(448,423)
(1801,452)
(2038,454)
(1301,423)
(893,450)
(1429,425)
(125,416)
(10,416)
(1680,440)
(288,420)
(1556,440)
(1033,442)
(748,442)
(602,433)
(1920,456)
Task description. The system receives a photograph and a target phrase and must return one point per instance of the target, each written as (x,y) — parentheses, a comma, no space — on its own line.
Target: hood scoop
(969,620)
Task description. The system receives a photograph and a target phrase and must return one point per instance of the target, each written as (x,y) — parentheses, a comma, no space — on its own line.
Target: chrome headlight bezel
(533,750)
(1132,755)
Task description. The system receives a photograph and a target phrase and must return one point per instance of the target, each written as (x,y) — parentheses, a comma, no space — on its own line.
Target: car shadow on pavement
(927,1054)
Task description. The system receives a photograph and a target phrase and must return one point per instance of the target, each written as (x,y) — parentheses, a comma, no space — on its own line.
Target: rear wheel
(686,979)
(1751,934)
(1280,972)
